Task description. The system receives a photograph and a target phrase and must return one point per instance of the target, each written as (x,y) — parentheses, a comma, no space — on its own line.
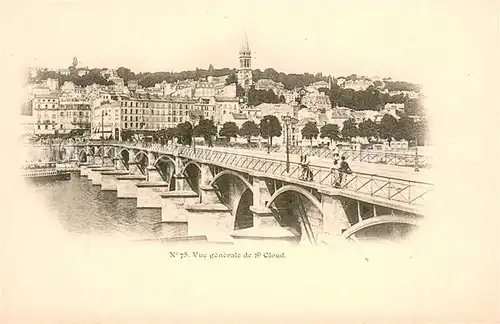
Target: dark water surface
(86,209)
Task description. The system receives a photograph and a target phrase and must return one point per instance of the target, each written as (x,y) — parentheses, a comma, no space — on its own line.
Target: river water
(82,208)
(85,209)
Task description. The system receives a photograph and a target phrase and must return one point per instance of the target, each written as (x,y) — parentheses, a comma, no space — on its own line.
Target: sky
(386,38)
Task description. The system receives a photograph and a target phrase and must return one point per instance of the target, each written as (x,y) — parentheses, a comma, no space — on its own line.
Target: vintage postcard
(249,161)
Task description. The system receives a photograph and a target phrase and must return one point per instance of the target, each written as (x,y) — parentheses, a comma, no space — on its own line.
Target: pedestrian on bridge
(344,170)
(306,171)
(335,171)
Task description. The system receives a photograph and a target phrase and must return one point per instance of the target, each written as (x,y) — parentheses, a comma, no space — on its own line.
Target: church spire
(244,45)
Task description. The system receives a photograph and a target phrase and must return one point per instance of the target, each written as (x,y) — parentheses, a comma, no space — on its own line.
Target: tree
(210,69)
(231,79)
(330,131)
(405,129)
(125,74)
(207,129)
(75,62)
(349,129)
(184,133)
(368,129)
(270,127)
(229,129)
(421,132)
(256,97)
(240,92)
(249,129)
(388,127)
(310,131)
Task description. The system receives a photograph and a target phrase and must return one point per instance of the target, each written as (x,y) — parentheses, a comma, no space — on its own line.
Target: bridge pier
(109,179)
(175,218)
(126,186)
(108,161)
(84,168)
(97,175)
(335,220)
(98,160)
(153,174)
(265,233)
(212,220)
(265,230)
(90,159)
(148,193)
(118,163)
(134,169)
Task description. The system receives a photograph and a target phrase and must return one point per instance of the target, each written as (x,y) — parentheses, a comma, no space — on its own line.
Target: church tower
(245,69)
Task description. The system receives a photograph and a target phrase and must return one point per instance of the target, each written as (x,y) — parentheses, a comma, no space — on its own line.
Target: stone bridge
(220,194)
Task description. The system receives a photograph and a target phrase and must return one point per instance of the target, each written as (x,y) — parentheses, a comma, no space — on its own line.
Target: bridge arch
(123,149)
(378,220)
(110,148)
(299,190)
(99,151)
(163,158)
(234,174)
(190,163)
(139,153)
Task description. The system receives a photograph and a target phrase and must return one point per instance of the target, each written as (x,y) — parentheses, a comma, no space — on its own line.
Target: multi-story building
(225,106)
(268,84)
(290,96)
(204,90)
(320,84)
(155,114)
(316,101)
(358,84)
(106,121)
(207,106)
(45,113)
(74,113)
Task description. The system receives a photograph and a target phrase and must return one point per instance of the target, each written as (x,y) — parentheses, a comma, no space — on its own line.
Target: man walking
(344,169)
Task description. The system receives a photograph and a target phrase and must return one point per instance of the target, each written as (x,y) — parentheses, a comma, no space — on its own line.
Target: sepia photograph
(171,152)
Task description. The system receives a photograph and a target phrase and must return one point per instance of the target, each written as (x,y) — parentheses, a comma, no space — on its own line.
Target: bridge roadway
(392,186)
(384,170)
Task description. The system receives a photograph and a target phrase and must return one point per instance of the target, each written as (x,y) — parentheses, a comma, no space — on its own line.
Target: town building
(316,101)
(45,113)
(52,84)
(268,84)
(74,113)
(106,121)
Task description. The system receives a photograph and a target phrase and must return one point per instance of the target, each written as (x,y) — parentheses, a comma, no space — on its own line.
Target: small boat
(44,171)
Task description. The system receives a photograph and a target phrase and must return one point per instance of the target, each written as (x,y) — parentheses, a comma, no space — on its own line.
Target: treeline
(389,128)
(92,77)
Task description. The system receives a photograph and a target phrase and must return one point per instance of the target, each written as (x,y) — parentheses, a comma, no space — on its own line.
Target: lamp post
(416,155)
(268,123)
(286,119)
(102,135)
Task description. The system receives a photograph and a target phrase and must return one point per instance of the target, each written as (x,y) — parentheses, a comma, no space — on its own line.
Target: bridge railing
(394,189)
(367,156)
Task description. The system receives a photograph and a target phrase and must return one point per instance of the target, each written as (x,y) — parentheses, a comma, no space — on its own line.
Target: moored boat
(44,172)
